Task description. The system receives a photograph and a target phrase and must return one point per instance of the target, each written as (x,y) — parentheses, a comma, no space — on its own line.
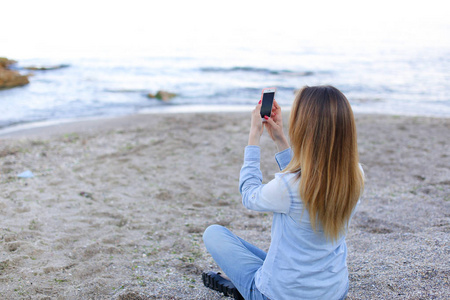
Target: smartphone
(267,96)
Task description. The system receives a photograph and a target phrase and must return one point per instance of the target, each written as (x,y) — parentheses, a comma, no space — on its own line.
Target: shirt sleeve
(283,158)
(255,195)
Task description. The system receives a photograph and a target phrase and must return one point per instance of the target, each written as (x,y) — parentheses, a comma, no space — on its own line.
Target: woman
(312,200)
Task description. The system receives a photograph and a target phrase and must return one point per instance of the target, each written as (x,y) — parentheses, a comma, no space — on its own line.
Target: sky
(46,27)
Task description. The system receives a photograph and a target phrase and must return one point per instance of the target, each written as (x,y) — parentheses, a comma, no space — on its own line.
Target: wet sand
(117,207)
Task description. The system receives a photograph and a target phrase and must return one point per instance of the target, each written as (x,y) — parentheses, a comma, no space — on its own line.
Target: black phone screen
(266,106)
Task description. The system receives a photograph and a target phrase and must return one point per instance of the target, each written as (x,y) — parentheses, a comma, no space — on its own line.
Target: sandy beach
(117,207)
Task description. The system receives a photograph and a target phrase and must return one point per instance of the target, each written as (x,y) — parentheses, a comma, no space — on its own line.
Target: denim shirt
(300,263)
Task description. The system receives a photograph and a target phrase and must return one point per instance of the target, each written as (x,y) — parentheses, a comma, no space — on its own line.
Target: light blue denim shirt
(300,263)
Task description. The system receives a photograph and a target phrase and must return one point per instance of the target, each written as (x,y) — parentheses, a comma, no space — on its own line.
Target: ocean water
(377,79)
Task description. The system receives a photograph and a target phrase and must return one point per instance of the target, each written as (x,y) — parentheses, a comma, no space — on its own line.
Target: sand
(117,207)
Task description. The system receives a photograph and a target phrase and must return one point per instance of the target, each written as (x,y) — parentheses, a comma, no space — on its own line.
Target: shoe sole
(210,282)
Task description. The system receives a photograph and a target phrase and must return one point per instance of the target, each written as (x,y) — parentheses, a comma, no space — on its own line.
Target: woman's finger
(271,122)
(275,104)
(258,106)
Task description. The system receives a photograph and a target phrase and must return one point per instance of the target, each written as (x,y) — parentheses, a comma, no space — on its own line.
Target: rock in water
(46,68)
(10,78)
(162,95)
(4,62)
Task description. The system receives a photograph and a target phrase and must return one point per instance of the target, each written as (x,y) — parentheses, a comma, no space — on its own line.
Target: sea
(377,78)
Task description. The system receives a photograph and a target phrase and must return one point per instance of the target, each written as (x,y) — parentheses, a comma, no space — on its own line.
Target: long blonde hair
(325,155)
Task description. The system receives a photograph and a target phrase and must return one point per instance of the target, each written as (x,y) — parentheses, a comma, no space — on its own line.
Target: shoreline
(178,109)
(117,207)
(34,127)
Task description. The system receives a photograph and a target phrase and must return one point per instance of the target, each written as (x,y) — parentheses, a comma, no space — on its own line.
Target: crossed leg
(238,258)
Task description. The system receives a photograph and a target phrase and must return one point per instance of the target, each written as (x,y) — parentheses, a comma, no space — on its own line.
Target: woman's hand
(256,128)
(274,126)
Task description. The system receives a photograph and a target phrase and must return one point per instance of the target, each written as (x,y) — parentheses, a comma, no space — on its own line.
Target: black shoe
(216,282)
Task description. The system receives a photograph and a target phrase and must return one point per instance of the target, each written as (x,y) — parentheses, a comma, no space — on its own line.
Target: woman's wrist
(253,138)
(282,144)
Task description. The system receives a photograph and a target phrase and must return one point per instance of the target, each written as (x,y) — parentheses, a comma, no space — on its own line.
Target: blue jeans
(237,258)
